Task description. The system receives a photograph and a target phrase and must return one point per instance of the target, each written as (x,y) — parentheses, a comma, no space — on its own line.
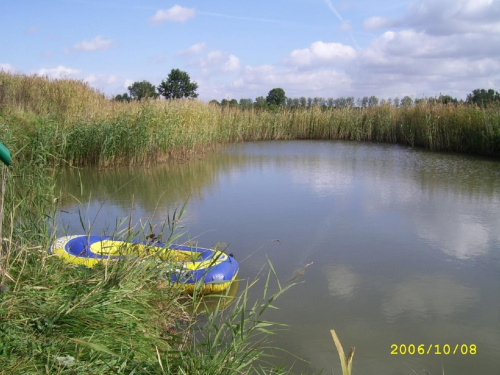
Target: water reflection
(324,177)
(146,186)
(367,216)
(429,297)
(462,237)
(342,281)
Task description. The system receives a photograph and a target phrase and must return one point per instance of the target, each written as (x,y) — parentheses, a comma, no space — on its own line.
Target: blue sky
(237,49)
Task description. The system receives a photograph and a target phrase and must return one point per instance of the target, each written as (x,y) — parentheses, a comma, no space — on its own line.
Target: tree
(276,96)
(246,103)
(372,101)
(364,101)
(406,101)
(178,85)
(447,99)
(260,102)
(142,90)
(122,97)
(483,98)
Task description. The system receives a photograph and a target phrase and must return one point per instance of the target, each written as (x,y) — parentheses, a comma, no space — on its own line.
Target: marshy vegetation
(58,319)
(119,318)
(76,124)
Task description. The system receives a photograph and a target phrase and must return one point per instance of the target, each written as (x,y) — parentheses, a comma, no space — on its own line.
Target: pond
(403,245)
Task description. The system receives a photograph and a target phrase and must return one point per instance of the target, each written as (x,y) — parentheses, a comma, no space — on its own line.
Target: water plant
(345,362)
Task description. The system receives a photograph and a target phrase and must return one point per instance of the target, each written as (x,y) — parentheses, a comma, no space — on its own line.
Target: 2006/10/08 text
(436,349)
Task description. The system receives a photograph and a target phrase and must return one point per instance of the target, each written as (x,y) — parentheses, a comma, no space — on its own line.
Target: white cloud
(174,14)
(414,62)
(318,82)
(231,64)
(6,67)
(96,44)
(128,82)
(59,72)
(321,53)
(218,61)
(455,16)
(375,23)
(101,79)
(445,17)
(195,49)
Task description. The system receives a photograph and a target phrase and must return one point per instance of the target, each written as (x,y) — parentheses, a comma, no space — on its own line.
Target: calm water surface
(404,243)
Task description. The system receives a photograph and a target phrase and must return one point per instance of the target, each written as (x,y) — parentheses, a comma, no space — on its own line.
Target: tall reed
(83,127)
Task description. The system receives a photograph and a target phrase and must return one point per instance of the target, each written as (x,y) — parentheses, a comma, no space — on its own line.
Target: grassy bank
(121,319)
(115,319)
(81,126)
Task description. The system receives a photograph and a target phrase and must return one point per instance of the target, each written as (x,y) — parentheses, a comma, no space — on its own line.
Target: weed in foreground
(345,362)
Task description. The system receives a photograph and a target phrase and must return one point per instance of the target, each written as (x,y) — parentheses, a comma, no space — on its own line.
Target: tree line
(178,85)
(277,98)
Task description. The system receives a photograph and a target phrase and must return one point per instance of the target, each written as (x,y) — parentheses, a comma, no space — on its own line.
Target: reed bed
(81,126)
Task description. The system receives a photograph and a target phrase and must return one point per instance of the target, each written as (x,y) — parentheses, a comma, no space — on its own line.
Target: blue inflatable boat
(212,270)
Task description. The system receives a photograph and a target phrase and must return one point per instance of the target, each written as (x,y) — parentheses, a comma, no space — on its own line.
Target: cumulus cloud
(454,16)
(59,72)
(6,67)
(321,53)
(445,17)
(128,82)
(101,79)
(195,49)
(174,14)
(212,61)
(375,23)
(416,62)
(220,60)
(449,47)
(96,44)
(316,82)
(231,64)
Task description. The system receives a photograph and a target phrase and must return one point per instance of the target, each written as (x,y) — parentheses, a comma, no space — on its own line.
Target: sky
(243,49)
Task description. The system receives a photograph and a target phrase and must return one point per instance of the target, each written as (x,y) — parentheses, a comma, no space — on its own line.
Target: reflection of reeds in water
(171,181)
